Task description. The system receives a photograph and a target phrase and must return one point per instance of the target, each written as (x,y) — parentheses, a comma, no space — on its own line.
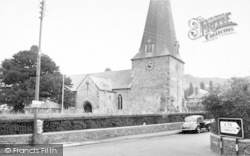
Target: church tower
(157,69)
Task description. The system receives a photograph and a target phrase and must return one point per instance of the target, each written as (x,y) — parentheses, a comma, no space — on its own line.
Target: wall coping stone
(111,128)
(15,135)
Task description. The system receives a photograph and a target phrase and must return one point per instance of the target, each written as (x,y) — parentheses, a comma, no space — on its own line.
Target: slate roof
(102,84)
(200,94)
(46,104)
(159,30)
(119,79)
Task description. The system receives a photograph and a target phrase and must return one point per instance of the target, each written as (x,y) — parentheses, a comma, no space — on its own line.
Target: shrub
(232,101)
(25,126)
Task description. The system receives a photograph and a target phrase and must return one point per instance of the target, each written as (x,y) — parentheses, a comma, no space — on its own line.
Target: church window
(87,84)
(177,46)
(119,102)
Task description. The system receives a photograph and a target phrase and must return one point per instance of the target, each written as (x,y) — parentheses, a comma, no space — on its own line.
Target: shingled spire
(159,37)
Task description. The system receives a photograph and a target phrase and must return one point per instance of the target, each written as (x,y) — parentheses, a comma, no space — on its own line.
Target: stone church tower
(157,69)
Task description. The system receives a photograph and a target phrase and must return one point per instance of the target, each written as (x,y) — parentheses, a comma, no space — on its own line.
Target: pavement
(110,140)
(157,144)
(116,139)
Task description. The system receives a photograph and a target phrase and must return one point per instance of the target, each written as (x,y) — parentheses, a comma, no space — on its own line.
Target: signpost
(35,104)
(232,127)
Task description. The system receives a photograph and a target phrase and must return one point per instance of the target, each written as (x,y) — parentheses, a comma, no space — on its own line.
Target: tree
(107,69)
(186,94)
(191,89)
(18,77)
(202,85)
(211,86)
(232,101)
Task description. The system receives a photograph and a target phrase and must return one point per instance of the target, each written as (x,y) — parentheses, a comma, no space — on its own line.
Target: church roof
(119,79)
(159,30)
(102,84)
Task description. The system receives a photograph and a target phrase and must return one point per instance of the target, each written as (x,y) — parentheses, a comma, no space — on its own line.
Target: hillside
(197,80)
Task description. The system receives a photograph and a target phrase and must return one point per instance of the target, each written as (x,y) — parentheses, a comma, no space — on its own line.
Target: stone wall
(155,90)
(107,102)
(160,88)
(149,86)
(227,145)
(89,135)
(90,93)
(176,78)
(125,101)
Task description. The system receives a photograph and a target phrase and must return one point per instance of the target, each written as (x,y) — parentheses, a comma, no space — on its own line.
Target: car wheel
(198,129)
(208,128)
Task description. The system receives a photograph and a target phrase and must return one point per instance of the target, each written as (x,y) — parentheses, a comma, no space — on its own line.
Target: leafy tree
(211,86)
(186,94)
(107,69)
(191,89)
(232,101)
(202,85)
(18,78)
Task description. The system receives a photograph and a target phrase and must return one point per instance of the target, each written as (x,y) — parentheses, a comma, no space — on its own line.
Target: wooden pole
(62,94)
(34,138)
(39,51)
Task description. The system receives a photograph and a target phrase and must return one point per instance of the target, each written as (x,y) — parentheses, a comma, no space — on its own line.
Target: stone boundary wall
(228,146)
(88,134)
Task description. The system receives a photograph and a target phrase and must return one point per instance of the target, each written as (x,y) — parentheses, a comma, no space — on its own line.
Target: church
(153,85)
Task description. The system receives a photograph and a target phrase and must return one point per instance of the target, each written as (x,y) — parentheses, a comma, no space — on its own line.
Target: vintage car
(196,123)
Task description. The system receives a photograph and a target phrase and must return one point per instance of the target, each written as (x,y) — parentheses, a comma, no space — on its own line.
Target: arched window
(119,102)
(87,84)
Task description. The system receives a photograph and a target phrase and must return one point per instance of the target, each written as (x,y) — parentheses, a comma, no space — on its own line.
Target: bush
(16,127)
(232,101)
(25,126)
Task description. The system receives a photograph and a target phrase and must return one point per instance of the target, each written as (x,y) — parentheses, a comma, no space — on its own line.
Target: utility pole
(62,93)
(38,67)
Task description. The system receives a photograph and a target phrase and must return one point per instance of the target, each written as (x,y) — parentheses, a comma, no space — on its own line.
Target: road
(172,145)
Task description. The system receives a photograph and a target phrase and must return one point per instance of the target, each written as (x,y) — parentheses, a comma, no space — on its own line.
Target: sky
(88,36)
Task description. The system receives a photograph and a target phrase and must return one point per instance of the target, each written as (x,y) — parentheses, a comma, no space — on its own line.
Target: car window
(190,119)
(202,119)
(199,119)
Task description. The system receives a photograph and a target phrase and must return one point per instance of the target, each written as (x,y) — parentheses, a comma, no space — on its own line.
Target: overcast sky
(87,36)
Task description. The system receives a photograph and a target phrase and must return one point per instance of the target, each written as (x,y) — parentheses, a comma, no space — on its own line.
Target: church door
(87,107)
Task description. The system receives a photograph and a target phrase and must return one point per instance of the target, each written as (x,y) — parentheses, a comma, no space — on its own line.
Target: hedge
(25,126)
